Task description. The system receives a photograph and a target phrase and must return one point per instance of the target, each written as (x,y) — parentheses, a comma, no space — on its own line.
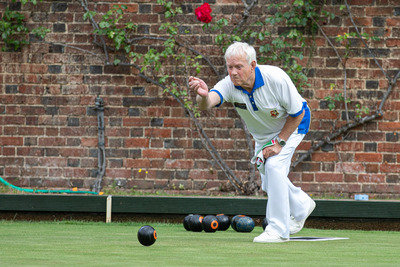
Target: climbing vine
(13,30)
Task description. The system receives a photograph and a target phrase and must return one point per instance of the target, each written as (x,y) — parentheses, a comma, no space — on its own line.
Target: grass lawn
(72,243)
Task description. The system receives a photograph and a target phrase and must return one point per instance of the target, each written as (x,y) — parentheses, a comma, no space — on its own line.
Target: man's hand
(270,151)
(199,86)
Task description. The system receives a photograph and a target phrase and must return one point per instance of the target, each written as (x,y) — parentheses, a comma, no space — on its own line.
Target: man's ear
(253,65)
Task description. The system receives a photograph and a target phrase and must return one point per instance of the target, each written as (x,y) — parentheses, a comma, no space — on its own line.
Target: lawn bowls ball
(196,223)
(234,220)
(186,222)
(223,222)
(210,224)
(264,223)
(245,224)
(147,235)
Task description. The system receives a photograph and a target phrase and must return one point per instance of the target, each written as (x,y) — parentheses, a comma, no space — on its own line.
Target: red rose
(203,13)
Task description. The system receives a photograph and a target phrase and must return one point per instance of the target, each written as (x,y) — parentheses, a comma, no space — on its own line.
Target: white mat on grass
(312,238)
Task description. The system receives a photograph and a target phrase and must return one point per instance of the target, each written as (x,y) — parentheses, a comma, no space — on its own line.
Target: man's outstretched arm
(205,100)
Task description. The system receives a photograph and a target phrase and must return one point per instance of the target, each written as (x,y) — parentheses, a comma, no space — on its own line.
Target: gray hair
(239,48)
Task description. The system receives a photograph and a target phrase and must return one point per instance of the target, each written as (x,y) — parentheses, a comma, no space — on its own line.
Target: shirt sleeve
(222,88)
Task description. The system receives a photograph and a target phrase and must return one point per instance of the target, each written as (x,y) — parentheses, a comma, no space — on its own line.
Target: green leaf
(130,25)
(104,24)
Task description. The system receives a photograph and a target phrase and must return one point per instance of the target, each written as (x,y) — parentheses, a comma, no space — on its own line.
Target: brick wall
(48,127)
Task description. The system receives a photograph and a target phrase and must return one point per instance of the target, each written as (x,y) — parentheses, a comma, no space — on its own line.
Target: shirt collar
(258,82)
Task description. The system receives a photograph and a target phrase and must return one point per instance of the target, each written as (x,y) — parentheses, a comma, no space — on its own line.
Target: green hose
(47,191)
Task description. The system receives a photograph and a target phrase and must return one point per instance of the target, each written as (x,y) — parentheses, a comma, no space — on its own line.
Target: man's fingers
(195,84)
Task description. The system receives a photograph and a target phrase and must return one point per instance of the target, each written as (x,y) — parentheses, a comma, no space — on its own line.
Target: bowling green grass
(73,243)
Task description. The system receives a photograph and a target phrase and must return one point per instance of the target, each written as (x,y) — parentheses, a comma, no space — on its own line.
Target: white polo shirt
(265,109)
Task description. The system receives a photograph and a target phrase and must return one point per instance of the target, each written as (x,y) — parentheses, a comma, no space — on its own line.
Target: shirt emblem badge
(274,113)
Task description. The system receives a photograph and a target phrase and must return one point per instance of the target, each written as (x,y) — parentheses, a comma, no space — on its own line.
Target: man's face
(241,73)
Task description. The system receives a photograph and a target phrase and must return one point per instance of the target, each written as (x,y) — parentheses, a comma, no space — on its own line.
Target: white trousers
(284,199)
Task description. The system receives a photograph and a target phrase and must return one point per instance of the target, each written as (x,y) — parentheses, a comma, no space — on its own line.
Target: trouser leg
(284,199)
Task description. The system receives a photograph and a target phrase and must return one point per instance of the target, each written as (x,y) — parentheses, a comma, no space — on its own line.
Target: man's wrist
(280,141)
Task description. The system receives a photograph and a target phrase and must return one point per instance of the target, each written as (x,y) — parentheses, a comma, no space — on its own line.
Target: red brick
(12,171)
(158,111)
(72,131)
(388,147)
(175,122)
(390,168)
(52,162)
(349,167)
(31,89)
(8,151)
(118,173)
(136,142)
(224,144)
(75,172)
(128,122)
(360,21)
(324,157)
(307,177)
(29,110)
(11,141)
(309,166)
(51,131)
(136,163)
(155,132)
(371,178)
(360,2)
(378,11)
(32,68)
(351,146)
(372,168)
(329,177)
(89,142)
(56,172)
(350,178)
(10,120)
(35,172)
(325,115)
(52,141)
(10,130)
(131,8)
(57,183)
(393,22)
(368,157)
(156,143)
(179,164)
(367,136)
(119,132)
(389,126)
(393,42)
(202,174)
(156,153)
(30,151)
(388,188)
(74,152)
(141,184)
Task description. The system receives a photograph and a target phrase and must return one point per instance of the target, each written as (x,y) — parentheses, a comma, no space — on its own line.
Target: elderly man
(278,119)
